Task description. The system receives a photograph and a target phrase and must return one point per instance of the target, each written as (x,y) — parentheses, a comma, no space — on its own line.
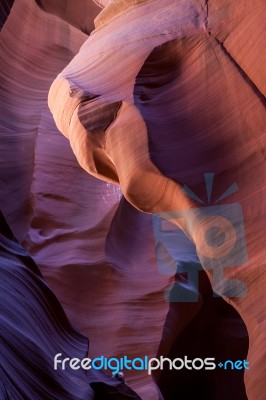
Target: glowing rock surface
(161,93)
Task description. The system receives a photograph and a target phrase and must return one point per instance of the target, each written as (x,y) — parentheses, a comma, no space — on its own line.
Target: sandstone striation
(160,95)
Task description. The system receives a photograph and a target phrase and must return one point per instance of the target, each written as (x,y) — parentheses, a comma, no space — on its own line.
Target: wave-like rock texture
(161,93)
(60,213)
(33,328)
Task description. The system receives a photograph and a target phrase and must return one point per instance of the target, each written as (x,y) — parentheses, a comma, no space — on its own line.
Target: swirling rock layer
(160,94)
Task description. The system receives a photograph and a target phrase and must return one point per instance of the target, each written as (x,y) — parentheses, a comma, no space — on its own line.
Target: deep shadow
(5,7)
(216,331)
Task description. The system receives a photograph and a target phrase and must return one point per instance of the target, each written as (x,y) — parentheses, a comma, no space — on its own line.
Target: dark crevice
(5,7)
(217,330)
(207,14)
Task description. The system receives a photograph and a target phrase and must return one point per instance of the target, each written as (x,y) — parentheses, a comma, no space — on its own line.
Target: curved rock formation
(161,95)
(33,328)
(194,92)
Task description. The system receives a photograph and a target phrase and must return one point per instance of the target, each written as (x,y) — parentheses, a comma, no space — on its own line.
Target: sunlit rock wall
(189,85)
